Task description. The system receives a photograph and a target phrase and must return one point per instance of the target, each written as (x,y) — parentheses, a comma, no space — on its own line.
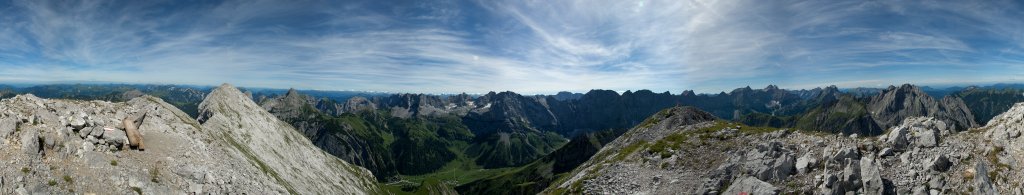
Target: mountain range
(512,143)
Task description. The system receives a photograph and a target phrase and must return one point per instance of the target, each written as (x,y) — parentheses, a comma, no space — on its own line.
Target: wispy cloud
(524,46)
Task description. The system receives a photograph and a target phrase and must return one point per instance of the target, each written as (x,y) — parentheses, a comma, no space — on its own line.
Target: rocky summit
(52,146)
(671,153)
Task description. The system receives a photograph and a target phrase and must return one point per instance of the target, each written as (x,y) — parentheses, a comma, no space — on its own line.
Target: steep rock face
(278,149)
(291,105)
(357,104)
(348,137)
(509,112)
(410,105)
(987,103)
(897,103)
(604,109)
(509,130)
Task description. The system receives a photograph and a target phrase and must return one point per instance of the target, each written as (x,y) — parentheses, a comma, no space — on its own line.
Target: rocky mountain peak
(894,104)
(277,148)
(743,90)
(291,92)
(688,93)
(832,88)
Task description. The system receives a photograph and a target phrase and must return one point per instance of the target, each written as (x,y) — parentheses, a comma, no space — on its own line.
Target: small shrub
(113,163)
(67,179)
(137,190)
(52,183)
(25,170)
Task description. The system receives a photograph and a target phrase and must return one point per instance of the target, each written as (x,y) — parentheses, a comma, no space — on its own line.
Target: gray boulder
(782,167)
(85,132)
(805,163)
(97,132)
(941,163)
(846,155)
(77,122)
(885,152)
(898,139)
(870,177)
(937,182)
(88,146)
(982,184)
(116,138)
(7,127)
(920,190)
(92,139)
(750,185)
(30,141)
(770,162)
(926,137)
(848,181)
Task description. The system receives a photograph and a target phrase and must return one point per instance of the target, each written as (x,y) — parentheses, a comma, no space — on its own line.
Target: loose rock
(750,185)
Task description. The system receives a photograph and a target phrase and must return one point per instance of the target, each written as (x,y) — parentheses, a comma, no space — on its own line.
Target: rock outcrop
(277,148)
(71,146)
(751,185)
(624,167)
(916,132)
(919,155)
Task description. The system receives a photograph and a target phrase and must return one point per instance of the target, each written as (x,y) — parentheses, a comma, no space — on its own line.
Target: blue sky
(524,46)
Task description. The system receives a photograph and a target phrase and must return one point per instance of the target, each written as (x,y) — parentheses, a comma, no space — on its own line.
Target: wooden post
(134,137)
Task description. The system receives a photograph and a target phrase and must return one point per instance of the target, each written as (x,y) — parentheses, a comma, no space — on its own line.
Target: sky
(527,46)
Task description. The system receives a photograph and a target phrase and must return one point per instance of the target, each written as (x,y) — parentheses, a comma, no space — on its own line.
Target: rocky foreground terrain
(684,150)
(51,146)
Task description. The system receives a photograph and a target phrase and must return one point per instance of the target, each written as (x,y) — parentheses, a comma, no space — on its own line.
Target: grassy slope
(675,141)
(534,177)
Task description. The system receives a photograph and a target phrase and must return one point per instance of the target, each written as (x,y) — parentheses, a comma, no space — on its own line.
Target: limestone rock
(85,132)
(937,182)
(30,141)
(771,162)
(870,176)
(805,163)
(845,155)
(982,184)
(897,138)
(750,185)
(96,132)
(115,137)
(941,163)
(926,137)
(77,122)
(7,127)
(885,152)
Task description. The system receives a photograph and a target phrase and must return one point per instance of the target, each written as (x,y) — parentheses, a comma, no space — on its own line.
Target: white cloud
(523,46)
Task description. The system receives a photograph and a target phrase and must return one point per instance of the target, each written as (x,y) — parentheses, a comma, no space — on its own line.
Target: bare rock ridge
(897,103)
(277,148)
(54,146)
(919,155)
